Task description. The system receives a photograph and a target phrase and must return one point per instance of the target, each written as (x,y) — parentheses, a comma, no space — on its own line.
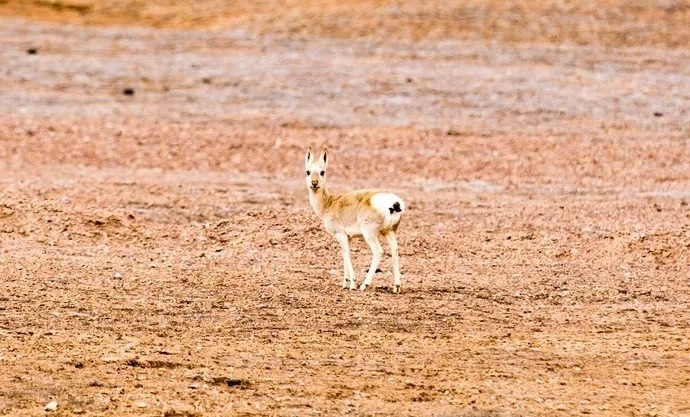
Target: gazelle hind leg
(346,275)
(377,252)
(348,269)
(392,240)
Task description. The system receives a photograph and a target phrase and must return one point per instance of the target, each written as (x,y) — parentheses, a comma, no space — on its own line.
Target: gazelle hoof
(396,289)
(363,287)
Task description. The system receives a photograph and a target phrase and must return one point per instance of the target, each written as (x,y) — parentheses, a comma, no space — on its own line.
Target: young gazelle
(366,213)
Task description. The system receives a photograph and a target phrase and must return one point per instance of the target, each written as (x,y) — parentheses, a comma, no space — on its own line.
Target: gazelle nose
(314,182)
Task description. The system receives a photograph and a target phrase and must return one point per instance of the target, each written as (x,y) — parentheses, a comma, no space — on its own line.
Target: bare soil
(158,255)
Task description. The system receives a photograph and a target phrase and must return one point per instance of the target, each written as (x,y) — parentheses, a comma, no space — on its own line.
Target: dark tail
(396,208)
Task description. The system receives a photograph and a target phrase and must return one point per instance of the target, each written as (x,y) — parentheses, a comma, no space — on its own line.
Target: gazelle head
(316,170)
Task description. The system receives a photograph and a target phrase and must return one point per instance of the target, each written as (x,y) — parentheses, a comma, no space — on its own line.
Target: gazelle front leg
(377,252)
(392,240)
(348,269)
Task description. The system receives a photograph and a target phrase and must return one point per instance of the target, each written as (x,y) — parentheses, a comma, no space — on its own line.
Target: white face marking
(315,176)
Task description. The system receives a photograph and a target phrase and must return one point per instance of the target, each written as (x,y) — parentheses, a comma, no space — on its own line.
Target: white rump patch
(384,202)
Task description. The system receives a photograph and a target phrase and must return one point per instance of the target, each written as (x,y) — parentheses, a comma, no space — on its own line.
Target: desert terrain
(159,257)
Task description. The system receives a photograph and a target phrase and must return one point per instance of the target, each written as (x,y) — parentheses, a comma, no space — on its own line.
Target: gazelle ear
(324,158)
(309,158)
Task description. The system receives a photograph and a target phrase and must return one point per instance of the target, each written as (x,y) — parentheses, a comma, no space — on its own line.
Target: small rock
(51,406)
(236,382)
(32,51)
(141,404)
(180,410)
(128,91)
(118,275)
(658,114)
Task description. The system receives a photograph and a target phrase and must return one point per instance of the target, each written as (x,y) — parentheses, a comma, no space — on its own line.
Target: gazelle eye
(322,173)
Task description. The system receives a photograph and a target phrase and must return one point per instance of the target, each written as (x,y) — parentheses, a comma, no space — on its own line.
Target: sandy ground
(158,255)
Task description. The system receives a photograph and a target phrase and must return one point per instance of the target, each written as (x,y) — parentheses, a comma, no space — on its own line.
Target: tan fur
(353,214)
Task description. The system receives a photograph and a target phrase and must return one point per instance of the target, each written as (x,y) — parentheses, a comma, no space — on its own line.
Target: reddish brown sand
(158,255)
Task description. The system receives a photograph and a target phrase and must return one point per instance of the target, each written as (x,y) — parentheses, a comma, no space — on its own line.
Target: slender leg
(347,278)
(377,251)
(349,270)
(393,244)
(346,275)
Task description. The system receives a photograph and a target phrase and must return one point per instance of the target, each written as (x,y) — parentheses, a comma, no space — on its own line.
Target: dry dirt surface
(158,256)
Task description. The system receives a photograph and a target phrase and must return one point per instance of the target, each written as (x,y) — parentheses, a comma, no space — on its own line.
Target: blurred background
(600,22)
(453,65)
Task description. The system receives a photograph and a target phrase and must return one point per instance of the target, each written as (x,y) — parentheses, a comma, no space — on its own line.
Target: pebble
(51,406)
(141,404)
(179,409)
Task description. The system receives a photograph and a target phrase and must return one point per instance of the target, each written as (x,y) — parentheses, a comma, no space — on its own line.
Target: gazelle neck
(318,200)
